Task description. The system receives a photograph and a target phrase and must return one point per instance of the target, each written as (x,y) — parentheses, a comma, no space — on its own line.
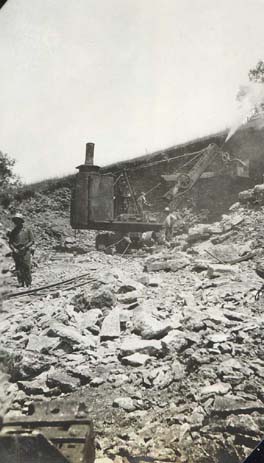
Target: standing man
(20,242)
(169,224)
(142,203)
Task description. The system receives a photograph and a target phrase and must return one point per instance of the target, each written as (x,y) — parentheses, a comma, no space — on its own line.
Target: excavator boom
(185,181)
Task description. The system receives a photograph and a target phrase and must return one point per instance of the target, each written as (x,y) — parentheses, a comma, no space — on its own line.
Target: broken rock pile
(166,351)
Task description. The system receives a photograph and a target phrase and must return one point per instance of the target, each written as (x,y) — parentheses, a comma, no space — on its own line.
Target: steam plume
(250,99)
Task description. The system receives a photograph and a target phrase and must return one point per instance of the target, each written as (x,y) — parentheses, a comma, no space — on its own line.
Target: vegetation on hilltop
(13,190)
(9,181)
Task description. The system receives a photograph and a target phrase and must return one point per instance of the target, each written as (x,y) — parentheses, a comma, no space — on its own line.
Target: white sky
(132,76)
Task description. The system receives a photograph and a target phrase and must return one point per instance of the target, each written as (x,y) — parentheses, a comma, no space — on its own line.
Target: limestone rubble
(165,352)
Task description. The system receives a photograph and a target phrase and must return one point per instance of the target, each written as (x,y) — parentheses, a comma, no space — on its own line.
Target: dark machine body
(92,205)
(96,201)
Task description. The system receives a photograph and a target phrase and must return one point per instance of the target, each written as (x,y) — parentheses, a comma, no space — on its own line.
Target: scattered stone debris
(164,350)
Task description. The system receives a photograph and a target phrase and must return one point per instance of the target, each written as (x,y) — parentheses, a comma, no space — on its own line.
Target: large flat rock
(70,334)
(233,404)
(61,379)
(148,327)
(111,326)
(135,345)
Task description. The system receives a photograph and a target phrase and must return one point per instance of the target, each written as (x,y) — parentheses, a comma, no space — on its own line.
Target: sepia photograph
(131,231)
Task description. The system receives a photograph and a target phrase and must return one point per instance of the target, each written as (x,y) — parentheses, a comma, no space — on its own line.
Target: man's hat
(167,209)
(18,216)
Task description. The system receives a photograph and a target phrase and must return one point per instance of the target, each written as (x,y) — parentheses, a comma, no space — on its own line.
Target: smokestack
(89,155)
(88,165)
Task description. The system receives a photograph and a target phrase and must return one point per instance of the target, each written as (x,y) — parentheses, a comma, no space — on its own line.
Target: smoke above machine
(250,107)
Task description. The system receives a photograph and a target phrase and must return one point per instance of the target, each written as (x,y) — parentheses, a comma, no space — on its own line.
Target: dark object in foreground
(29,449)
(19,445)
(257,456)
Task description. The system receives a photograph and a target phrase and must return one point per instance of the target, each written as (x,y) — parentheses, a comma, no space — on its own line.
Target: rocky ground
(162,348)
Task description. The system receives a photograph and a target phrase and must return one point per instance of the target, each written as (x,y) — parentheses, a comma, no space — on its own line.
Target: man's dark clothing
(19,239)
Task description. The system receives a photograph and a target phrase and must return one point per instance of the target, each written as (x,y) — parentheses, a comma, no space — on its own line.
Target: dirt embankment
(163,348)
